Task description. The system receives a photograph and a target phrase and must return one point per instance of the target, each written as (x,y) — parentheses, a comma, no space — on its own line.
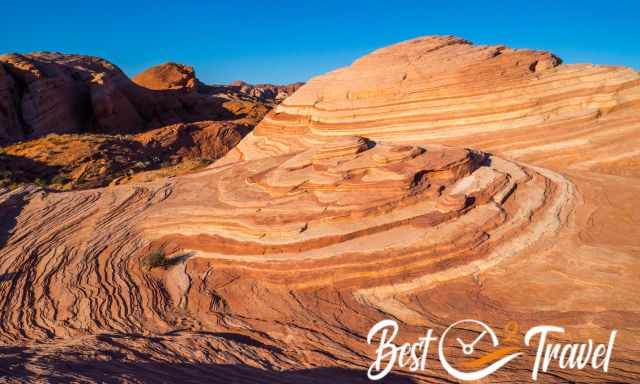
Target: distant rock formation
(43,93)
(70,111)
(267,92)
(167,76)
(179,76)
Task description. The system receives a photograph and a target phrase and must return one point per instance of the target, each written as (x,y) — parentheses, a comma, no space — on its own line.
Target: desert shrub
(204,161)
(156,258)
(40,182)
(60,179)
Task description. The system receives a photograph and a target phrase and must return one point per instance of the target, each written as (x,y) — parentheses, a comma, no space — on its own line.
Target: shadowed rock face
(340,211)
(43,93)
(73,112)
(83,161)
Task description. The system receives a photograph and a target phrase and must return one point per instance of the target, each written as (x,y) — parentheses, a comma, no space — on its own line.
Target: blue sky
(283,41)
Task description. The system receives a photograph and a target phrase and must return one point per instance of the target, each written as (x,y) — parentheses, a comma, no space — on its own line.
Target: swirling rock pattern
(283,255)
(518,103)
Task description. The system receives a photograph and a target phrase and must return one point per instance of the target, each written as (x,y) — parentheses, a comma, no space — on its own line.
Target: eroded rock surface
(342,209)
(81,123)
(522,104)
(82,161)
(44,93)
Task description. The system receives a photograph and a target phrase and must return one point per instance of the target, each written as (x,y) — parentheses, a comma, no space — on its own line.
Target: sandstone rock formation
(267,92)
(519,103)
(90,125)
(43,93)
(167,76)
(366,195)
(179,76)
(82,161)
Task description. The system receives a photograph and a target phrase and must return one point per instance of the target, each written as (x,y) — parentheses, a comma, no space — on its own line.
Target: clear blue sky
(283,41)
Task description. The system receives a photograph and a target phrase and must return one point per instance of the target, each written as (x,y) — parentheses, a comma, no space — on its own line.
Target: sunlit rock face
(348,213)
(522,104)
(369,194)
(167,76)
(368,221)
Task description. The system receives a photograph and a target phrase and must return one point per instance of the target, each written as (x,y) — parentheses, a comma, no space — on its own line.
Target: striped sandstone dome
(369,194)
(521,104)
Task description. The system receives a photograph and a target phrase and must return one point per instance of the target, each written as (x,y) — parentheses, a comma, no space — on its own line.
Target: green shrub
(157,258)
(60,179)
(40,182)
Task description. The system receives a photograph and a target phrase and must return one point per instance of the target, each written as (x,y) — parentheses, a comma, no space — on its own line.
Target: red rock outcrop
(45,93)
(10,125)
(347,206)
(65,107)
(167,76)
(82,161)
(179,76)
